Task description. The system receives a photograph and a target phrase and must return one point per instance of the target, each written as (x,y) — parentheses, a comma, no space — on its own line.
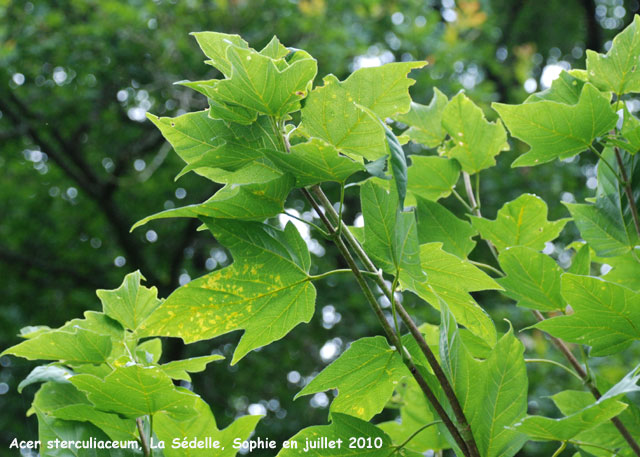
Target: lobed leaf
(556,130)
(521,222)
(266,291)
(365,375)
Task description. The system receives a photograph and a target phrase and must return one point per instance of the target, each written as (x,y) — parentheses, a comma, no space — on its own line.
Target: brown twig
(391,334)
(465,428)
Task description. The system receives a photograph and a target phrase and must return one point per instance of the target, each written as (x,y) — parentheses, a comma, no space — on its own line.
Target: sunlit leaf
(450,278)
(266,291)
(477,141)
(134,391)
(521,222)
(384,89)
(180,369)
(332,115)
(617,70)
(432,177)
(365,376)
(556,130)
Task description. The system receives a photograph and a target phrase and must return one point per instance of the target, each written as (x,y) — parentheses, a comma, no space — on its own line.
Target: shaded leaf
(605,316)
(533,279)
(343,428)
(199,427)
(314,162)
(390,235)
(437,223)
(249,202)
(425,121)
(541,428)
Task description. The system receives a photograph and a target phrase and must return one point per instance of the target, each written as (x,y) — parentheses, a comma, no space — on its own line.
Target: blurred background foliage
(79,163)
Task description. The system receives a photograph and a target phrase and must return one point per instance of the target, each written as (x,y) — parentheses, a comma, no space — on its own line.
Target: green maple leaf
(384,89)
(331,114)
(432,177)
(556,130)
(204,142)
(64,401)
(437,223)
(521,222)
(199,427)
(541,428)
(390,235)
(250,202)
(266,291)
(68,344)
(605,315)
(492,392)
(533,279)
(314,162)
(260,83)
(450,278)
(214,45)
(617,71)
(607,225)
(344,427)
(135,391)
(570,402)
(180,369)
(477,141)
(131,303)
(365,376)
(566,88)
(425,121)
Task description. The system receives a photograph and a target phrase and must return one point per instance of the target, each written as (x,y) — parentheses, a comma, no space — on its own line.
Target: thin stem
(150,433)
(143,438)
(562,347)
(465,429)
(341,207)
(478,190)
(626,182)
(606,162)
(393,306)
(371,299)
(562,447)
(487,267)
(339,270)
(557,364)
(413,435)
(470,194)
(461,200)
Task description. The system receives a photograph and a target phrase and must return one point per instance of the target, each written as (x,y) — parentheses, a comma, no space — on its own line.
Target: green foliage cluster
(268,132)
